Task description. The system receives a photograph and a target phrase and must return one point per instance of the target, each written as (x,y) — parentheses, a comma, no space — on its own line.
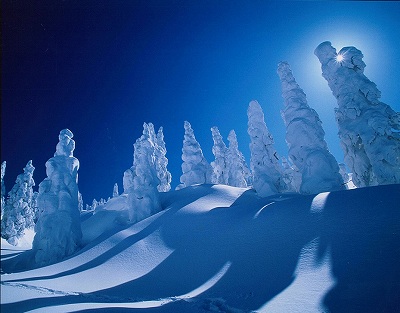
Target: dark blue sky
(102,68)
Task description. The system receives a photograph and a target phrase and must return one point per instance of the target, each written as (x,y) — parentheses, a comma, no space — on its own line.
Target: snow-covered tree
(291,176)
(195,168)
(80,202)
(3,187)
(219,174)
(161,163)
(264,165)
(115,191)
(345,175)
(58,229)
(238,172)
(368,129)
(141,180)
(305,139)
(19,211)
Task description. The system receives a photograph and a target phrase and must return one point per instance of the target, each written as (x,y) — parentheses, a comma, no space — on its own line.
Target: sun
(339,58)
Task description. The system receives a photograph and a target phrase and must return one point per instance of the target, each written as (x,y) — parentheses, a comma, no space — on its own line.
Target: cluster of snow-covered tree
(368,131)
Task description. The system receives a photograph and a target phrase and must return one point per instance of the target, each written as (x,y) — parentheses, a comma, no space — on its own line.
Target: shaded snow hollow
(216,248)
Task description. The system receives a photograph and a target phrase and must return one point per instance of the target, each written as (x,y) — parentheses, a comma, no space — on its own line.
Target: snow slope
(216,248)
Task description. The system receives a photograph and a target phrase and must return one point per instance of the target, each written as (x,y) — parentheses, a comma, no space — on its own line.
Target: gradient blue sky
(102,68)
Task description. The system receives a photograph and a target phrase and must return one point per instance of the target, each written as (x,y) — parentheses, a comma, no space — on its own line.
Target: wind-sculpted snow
(58,229)
(224,249)
(305,138)
(368,129)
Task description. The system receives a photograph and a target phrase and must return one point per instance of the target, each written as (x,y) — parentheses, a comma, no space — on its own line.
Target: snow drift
(215,248)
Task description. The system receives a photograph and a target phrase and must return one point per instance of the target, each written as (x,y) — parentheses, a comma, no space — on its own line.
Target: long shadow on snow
(262,249)
(361,227)
(197,191)
(188,195)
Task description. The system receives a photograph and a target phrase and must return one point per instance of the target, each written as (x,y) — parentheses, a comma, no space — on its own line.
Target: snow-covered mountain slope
(216,248)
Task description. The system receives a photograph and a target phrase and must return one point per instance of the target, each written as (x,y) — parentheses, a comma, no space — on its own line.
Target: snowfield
(215,248)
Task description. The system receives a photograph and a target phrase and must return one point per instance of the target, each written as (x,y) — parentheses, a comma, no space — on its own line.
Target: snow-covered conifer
(141,180)
(195,168)
(291,176)
(238,172)
(19,212)
(161,163)
(219,175)
(368,129)
(115,191)
(58,229)
(3,187)
(305,139)
(264,165)
(80,202)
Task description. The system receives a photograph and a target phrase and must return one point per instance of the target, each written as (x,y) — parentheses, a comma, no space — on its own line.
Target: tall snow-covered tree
(305,139)
(219,174)
(141,180)
(58,229)
(238,172)
(3,187)
(264,163)
(115,190)
(368,129)
(19,211)
(195,168)
(161,163)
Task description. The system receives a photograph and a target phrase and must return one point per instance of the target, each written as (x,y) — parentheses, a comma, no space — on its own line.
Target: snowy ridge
(216,248)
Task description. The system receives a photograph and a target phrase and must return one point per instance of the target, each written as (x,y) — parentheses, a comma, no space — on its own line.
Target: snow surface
(215,248)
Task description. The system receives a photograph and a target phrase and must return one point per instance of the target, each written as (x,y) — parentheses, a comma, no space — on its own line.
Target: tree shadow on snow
(361,227)
(258,242)
(261,243)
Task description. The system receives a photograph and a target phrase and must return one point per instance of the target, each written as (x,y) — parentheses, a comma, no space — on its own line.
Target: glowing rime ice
(141,180)
(58,229)
(237,170)
(368,128)
(266,171)
(219,175)
(195,168)
(19,211)
(305,139)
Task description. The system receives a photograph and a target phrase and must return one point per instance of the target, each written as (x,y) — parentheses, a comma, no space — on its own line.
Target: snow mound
(215,248)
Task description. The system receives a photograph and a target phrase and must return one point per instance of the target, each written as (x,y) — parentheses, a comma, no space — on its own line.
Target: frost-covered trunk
(195,168)
(264,165)
(219,174)
(238,172)
(368,128)
(305,139)
(141,180)
(58,229)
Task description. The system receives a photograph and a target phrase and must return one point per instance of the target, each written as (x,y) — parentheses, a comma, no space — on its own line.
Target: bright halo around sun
(339,58)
